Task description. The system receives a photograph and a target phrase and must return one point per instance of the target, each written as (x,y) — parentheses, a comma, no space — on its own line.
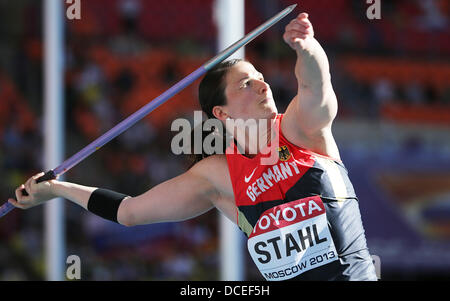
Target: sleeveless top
(300,213)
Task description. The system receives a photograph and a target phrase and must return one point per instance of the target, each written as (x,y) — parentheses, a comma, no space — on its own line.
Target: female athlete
(299,212)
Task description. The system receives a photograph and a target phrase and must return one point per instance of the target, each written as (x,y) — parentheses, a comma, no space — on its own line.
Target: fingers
(300,27)
(15,203)
(35,177)
(303,16)
(294,38)
(19,195)
(21,205)
(31,182)
(24,201)
(28,185)
(298,32)
(303,19)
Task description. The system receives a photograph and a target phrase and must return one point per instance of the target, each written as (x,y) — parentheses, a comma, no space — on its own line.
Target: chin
(272,111)
(269,115)
(268,111)
(273,115)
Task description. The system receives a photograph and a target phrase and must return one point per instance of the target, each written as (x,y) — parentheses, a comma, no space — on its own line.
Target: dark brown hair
(211,94)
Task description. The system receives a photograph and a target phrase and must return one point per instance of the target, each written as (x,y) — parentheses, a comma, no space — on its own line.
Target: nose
(262,87)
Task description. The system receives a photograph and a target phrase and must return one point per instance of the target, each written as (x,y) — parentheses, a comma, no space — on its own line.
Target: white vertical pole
(53,18)
(230,18)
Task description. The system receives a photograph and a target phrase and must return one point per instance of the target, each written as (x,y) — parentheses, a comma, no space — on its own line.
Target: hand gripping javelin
(152,105)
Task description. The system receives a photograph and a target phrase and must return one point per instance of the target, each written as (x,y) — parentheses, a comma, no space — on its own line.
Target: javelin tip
(291,8)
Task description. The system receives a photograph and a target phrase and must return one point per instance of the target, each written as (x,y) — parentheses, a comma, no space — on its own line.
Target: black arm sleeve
(105,203)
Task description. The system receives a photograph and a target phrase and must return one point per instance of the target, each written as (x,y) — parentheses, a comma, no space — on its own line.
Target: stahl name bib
(291,239)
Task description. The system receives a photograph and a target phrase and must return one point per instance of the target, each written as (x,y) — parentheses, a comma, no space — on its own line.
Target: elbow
(125,215)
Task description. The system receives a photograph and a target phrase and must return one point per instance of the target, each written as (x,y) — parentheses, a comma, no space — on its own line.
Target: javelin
(152,105)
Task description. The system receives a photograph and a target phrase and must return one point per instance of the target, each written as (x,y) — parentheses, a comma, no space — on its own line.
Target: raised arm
(310,114)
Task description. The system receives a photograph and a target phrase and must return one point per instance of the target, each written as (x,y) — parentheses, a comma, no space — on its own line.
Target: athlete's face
(248,95)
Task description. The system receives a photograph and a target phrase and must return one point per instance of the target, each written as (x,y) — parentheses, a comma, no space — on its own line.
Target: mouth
(265,100)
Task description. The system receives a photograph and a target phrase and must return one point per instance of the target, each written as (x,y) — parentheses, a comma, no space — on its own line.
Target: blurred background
(391,77)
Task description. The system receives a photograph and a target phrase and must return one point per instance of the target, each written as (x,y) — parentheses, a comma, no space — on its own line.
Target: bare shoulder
(214,161)
(214,169)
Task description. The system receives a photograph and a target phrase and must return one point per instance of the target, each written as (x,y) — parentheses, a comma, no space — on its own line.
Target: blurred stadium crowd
(123,53)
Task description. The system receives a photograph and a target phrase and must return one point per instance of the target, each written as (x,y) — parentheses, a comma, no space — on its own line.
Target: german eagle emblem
(284,153)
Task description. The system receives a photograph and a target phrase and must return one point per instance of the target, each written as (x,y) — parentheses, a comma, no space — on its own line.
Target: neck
(253,137)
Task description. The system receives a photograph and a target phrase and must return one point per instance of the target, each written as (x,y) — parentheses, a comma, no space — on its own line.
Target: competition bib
(291,239)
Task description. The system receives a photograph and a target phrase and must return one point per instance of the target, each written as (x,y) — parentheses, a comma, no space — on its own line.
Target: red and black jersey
(280,210)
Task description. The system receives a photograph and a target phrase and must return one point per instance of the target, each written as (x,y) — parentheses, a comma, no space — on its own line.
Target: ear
(220,113)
